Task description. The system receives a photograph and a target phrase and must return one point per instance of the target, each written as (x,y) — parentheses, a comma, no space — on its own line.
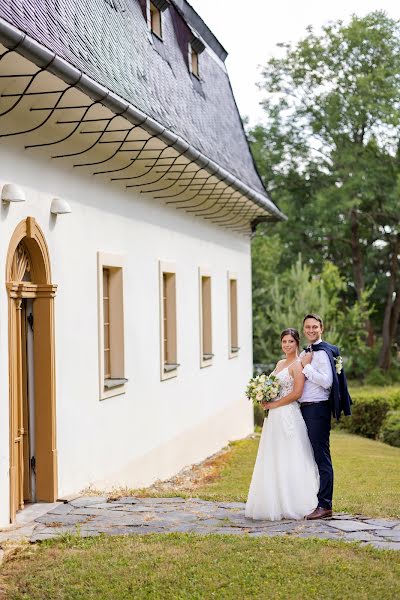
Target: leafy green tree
(287,297)
(329,155)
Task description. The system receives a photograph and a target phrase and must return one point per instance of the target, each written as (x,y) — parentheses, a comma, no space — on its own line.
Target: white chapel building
(128,197)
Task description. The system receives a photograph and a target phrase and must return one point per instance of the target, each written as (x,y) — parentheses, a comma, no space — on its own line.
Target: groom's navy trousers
(317,416)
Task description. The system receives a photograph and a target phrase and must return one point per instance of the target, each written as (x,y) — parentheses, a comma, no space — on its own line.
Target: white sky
(250,30)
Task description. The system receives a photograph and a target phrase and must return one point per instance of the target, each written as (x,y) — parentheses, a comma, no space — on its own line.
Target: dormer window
(155,20)
(196,47)
(194,62)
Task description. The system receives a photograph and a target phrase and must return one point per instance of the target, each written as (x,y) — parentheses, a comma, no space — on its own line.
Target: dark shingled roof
(110,42)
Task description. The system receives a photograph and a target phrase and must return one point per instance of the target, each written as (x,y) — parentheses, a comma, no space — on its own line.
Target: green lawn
(182,566)
(367,476)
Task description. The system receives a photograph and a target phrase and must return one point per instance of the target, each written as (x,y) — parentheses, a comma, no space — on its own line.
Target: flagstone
(69,519)
(383,522)
(385,545)
(88,501)
(352,525)
(326,535)
(94,515)
(61,509)
(362,536)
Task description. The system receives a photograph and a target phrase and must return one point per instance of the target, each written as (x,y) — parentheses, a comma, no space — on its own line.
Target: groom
(325,393)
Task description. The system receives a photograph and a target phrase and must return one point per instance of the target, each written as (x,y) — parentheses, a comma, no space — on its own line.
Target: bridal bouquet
(263,388)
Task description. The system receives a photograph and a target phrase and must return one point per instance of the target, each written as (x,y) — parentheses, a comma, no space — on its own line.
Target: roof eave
(18,41)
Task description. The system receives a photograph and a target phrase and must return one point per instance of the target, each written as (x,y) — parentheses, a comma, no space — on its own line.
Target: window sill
(110,384)
(168,367)
(234,352)
(169,371)
(206,360)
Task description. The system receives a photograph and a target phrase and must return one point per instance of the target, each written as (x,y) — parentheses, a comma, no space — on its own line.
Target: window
(196,47)
(233,316)
(168,341)
(106,321)
(194,61)
(206,354)
(154,19)
(111,325)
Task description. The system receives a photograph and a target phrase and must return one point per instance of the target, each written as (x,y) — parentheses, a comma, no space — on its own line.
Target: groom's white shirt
(319,378)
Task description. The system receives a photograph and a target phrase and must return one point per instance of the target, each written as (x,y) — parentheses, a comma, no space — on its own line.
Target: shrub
(390,431)
(394,373)
(368,417)
(377,377)
(390,394)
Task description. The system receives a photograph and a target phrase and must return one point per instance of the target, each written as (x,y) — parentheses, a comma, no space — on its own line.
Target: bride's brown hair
(293,332)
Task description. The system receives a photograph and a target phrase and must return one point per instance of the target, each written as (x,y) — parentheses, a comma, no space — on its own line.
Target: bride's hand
(266,405)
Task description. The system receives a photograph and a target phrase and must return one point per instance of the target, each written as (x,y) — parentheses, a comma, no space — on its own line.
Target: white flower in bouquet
(263,388)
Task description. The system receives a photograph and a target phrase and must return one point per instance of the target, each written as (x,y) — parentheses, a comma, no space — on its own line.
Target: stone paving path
(91,516)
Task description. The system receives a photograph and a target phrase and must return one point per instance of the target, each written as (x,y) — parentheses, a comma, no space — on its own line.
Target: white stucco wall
(156,427)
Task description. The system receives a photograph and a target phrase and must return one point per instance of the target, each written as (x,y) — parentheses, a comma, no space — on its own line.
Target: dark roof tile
(114,47)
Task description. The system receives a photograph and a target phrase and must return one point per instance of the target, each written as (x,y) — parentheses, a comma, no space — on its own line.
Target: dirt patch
(186,481)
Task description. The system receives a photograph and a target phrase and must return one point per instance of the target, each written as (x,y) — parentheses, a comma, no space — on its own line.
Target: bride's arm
(299,379)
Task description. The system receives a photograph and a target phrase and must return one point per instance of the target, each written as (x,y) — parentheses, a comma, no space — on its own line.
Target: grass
(367,476)
(186,566)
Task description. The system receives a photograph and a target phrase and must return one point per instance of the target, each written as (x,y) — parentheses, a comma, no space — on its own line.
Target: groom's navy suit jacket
(339,397)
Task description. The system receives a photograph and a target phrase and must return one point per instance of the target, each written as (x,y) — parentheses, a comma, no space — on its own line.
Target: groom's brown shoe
(319,513)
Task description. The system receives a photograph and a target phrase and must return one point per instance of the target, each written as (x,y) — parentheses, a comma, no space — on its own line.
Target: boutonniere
(338,364)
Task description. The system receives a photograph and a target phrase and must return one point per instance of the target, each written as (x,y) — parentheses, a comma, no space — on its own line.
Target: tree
(329,155)
(288,296)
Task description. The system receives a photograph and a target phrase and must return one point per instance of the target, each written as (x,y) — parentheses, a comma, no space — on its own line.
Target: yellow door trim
(28,244)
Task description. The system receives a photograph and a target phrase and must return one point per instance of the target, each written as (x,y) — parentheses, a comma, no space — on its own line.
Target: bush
(367,417)
(394,373)
(377,377)
(390,432)
(390,394)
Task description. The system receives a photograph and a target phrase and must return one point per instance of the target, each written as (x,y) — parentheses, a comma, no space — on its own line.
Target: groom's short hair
(313,316)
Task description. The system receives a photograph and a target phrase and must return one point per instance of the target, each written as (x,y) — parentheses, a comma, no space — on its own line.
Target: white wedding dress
(285,479)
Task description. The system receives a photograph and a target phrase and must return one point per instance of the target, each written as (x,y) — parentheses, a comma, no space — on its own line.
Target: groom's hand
(306,358)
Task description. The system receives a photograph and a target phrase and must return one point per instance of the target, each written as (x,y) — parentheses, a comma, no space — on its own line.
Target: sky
(249,31)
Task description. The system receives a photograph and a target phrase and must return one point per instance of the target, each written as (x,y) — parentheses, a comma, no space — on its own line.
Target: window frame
(168,268)
(205,273)
(233,350)
(152,8)
(115,264)
(191,53)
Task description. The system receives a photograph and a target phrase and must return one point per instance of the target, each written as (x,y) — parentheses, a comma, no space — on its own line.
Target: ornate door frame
(28,253)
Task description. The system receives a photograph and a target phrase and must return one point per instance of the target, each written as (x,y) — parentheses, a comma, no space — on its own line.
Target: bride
(285,479)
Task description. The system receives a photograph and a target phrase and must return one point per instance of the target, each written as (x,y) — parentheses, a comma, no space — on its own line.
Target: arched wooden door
(28,278)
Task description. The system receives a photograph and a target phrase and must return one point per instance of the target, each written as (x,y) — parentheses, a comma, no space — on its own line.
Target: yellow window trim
(114,263)
(168,317)
(205,317)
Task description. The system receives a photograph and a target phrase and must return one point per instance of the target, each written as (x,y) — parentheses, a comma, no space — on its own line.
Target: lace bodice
(287,382)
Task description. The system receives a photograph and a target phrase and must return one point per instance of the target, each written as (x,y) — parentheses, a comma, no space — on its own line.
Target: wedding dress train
(285,479)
